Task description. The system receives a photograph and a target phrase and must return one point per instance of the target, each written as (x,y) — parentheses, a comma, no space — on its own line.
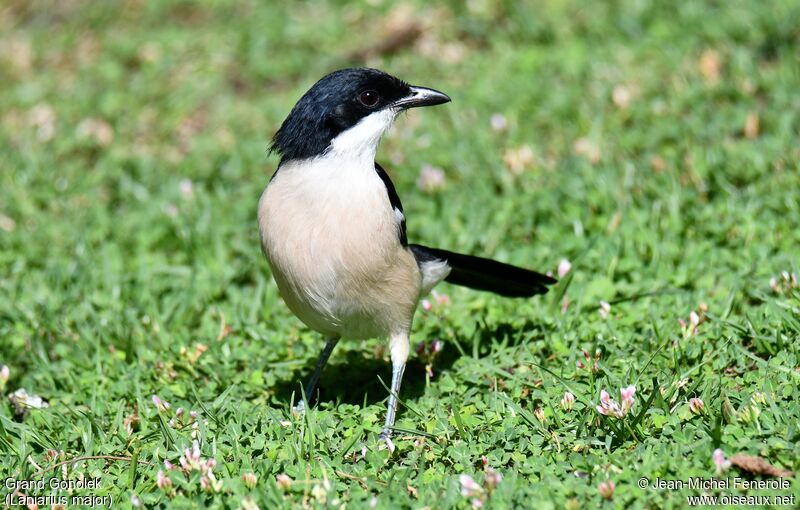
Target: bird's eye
(369,98)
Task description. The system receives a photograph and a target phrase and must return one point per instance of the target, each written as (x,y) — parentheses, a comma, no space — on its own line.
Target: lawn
(647,151)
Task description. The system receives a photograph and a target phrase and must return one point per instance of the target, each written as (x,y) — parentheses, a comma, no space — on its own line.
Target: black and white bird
(333,229)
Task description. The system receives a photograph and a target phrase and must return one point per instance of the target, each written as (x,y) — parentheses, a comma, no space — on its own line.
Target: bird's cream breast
(332,243)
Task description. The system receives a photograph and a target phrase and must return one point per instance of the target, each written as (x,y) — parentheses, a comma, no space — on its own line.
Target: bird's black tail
(485,274)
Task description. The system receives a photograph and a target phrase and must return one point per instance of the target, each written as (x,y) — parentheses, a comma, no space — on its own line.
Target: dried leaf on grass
(758,466)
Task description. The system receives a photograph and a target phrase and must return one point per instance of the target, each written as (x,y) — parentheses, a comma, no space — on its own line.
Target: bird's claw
(386,438)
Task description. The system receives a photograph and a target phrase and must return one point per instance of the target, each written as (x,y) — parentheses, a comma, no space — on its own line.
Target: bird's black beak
(421,96)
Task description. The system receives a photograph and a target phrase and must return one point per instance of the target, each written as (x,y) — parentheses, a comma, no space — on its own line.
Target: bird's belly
(338,262)
(327,297)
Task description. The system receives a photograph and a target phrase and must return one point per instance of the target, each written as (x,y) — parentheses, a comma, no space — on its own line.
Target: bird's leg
(311,385)
(398,346)
(391,408)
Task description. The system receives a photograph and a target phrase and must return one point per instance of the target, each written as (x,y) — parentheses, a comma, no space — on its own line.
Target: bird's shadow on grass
(355,376)
(509,334)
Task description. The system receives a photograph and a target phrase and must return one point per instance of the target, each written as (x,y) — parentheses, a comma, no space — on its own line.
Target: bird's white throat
(360,142)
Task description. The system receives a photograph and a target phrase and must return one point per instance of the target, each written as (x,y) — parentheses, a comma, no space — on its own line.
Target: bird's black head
(342,100)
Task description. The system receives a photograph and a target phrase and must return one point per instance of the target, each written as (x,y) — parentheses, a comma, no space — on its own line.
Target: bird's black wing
(474,272)
(395,201)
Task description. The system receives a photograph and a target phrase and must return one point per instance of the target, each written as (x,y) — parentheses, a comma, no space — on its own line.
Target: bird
(333,229)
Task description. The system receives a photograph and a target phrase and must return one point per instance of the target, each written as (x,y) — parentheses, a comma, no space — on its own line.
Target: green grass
(128,244)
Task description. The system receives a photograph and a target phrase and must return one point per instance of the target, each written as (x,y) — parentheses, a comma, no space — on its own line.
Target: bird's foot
(299,409)
(386,438)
